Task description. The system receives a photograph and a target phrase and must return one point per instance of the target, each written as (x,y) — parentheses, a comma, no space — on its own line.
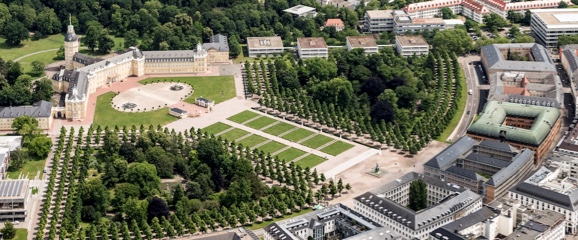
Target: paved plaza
(151,96)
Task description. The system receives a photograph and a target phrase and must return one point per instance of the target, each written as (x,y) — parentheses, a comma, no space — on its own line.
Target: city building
(410,45)
(264,46)
(405,24)
(11,142)
(177,112)
(339,3)
(366,43)
(336,23)
(544,225)
(399,21)
(41,111)
(536,88)
(550,189)
(312,47)
(569,60)
(82,74)
(520,125)
(387,205)
(301,11)
(333,222)
(548,24)
(217,49)
(516,57)
(488,168)
(378,21)
(14,199)
(203,102)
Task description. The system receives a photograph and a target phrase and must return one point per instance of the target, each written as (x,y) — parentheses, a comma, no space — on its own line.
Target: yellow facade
(215,56)
(44,123)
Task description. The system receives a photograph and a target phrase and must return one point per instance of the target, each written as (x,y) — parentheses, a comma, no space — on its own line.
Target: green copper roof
(490,122)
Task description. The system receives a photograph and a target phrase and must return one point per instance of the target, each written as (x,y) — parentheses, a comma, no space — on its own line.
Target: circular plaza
(152,96)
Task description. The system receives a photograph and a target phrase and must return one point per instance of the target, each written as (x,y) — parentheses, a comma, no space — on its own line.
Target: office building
(548,24)
(536,88)
(14,199)
(264,46)
(410,45)
(312,47)
(301,11)
(516,57)
(367,43)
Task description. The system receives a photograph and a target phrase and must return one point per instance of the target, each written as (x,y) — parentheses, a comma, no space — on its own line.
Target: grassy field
(336,148)
(217,88)
(26,47)
(317,141)
(216,128)
(458,115)
(45,57)
(297,135)
(21,234)
(243,116)
(252,140)
(271,147)
(105,115)
(310,161)
(265,223)
(290,154)
(234,134)
(261,122)
(279,128)
(31,168)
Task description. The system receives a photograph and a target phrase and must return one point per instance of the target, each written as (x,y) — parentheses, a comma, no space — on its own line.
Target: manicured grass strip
(297,135)
(105,115)
(28,46)
(310,161)
(216,88)
(243,116)
(21,234)
(268,222)
(252,140)
(234,134)
(216,128)
(31,168)
(279,128)
(290,154)
(271,147)
(317,141)
(458,114)
(337,148)
(261,122)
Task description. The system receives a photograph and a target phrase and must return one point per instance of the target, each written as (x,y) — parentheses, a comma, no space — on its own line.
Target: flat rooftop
(408,41)
(312,42)
(380,14)
(361,41)
(13,189)
(264,42)
(558,17)
(299,9)
(428,21)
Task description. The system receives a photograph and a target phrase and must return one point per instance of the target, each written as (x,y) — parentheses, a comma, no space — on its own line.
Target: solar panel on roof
(6,192)
(2,184)
(20,188)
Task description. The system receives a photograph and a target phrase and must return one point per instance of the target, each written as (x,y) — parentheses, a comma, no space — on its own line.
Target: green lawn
(31,168)
(26,47)
(252,140)
(46,58)
(21,234)
(279,128)
(243,116)
(216,128)
(297,135)
(261,122)
(458,115)
(336,148)
(271,147)
(217,88)
(317,141)
(234,134)
(290,154)
(310,161)
(265,223)
(105,115)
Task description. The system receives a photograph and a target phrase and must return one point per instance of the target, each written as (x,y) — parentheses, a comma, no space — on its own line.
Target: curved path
(34,53)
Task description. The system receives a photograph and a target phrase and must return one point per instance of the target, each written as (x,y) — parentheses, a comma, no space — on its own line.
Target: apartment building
(264,46)
(336,23)
(312,47)
(410,45)
(367,43)
(548,24)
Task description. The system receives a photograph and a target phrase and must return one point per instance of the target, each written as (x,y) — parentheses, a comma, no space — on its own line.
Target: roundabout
(151,97)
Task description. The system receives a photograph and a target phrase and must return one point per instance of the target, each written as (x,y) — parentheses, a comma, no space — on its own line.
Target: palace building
(81,74)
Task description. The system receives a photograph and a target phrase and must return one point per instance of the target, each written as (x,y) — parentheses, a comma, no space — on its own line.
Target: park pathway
(34,53)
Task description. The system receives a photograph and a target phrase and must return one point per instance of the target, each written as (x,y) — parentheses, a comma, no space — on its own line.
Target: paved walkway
(34,53)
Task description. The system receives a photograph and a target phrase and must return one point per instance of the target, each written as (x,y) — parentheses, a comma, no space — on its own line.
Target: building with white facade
(378,21)
(14,199)
(548,24)
(333,222)
(410,45)
(301,11)
(366,43)
(386,205)
(264,46)
(312,47)
(550,189)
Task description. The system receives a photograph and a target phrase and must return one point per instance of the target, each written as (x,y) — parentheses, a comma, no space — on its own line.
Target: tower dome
(70,35)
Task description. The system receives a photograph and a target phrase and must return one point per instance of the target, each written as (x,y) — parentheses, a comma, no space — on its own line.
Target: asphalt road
(472,74)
